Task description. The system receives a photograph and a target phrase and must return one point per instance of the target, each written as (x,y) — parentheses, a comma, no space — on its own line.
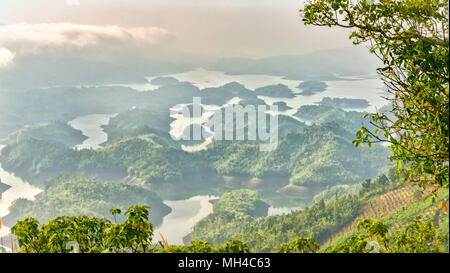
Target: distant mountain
(320,65)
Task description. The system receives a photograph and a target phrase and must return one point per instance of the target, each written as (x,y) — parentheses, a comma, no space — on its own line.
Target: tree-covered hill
(315,156)
(318,155)
(55,131)
(332,221)
(73,196)
(135,119)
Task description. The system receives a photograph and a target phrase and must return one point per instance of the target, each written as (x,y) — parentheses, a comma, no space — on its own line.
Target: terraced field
(395,208)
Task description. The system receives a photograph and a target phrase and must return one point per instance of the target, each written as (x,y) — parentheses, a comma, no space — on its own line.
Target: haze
(225,28)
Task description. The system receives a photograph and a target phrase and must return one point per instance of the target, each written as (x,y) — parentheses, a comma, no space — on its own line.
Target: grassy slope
(395,208)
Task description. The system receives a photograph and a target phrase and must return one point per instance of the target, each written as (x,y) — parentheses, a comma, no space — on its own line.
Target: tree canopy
(411,39)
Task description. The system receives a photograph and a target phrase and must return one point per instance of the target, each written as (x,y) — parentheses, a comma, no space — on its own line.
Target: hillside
(315,157)
(395,208)
(72,196)
(329,222)
(55,131)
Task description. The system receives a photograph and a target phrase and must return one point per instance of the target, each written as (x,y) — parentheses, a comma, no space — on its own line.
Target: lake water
(185,214)
(175,225)
(355,88)
(91,126)
(19,189)
(368,88)
(181,123)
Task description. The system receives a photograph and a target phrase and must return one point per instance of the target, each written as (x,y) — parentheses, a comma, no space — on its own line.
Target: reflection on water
(91,126)
(185,214)
(353,88)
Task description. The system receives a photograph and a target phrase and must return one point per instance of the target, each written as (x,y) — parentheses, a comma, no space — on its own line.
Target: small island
(277,91)
(221,95)
(311,87)
(344,103)
(255,101)
(282,106)
(57,131)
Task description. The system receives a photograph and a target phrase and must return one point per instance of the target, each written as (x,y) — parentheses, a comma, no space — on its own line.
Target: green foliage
(282,106)
(316,155)
(380,182)
(135,121)
(337,191)
(417,237)
(300,245)
(411,38)
(151,158)
(242,201)
(312,87)
(83,234)
(265,234)
(55,131)
(66,195)
(278,91)
(231,246)
(344,102)
(90,234)
(221,95)
(320,114)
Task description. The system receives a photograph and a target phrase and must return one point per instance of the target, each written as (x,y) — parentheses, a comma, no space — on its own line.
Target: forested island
(311,87)
(344,102)
(278,91)
(338,179)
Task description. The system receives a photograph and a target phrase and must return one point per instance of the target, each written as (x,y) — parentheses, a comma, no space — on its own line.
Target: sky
(212,28)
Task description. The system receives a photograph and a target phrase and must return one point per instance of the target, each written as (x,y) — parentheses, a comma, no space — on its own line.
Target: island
(277,90)
(344,103)
(312,87)
(282,106)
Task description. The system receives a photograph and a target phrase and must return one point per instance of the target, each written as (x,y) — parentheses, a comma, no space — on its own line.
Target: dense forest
(314,156)
(352,181)
(320,221)
(66,195)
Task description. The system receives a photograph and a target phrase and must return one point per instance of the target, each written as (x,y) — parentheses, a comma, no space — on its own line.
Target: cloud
(73,2)
(6,57)
(72,54)
(27,37)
